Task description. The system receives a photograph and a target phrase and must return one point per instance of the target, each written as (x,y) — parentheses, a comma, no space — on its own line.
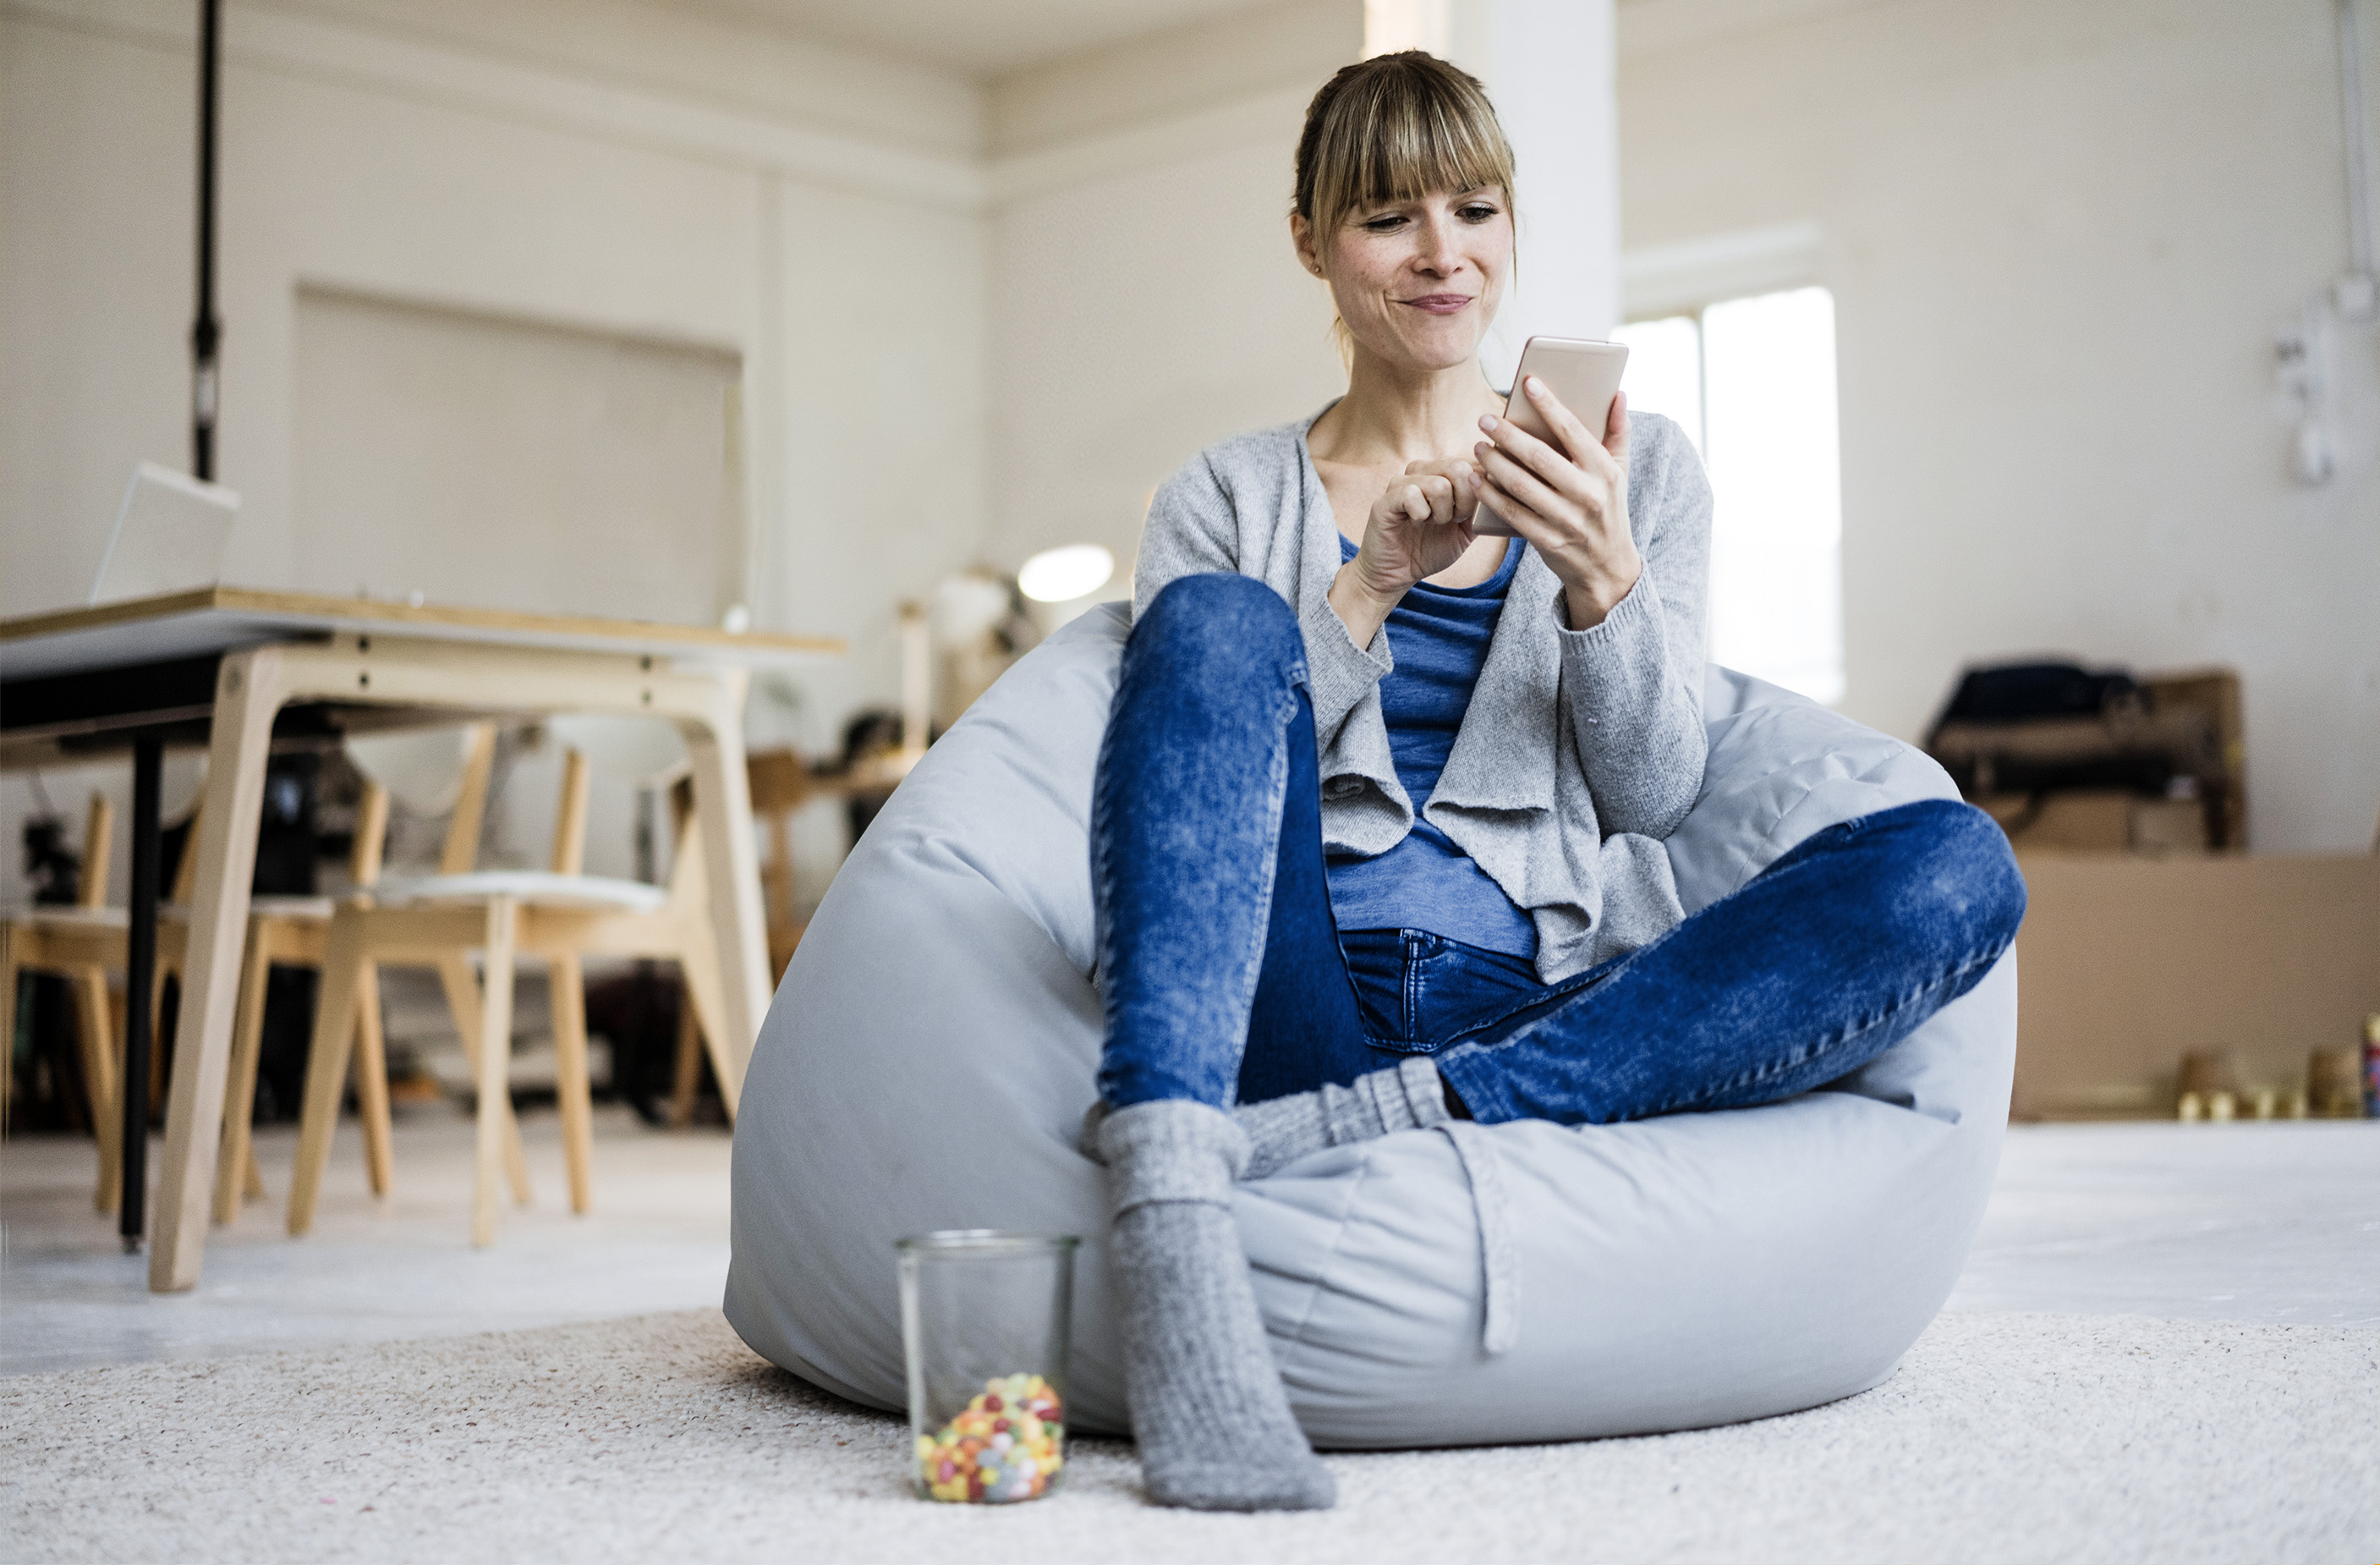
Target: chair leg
(569,983)
(463,1003)
(686,1073)
(326,1068)
(371,1082)
(237,1151)
(96,1046)
(494,1066)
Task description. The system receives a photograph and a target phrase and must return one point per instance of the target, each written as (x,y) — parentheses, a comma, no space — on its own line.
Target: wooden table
(233,668)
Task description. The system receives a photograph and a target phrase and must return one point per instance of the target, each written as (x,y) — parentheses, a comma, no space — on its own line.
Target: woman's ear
(1301,238)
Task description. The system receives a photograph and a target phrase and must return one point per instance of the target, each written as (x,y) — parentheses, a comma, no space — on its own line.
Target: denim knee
(1960,874)
(1218,619)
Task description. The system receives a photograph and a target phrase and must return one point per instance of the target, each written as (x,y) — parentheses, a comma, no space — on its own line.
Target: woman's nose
(1440,256)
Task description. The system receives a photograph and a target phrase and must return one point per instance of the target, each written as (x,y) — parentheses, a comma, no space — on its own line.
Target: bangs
(1406,125)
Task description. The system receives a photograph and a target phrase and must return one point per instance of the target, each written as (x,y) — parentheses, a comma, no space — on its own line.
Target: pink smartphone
(1584,373)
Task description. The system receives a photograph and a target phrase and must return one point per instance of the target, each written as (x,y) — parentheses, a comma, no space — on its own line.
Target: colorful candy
(1008,1445)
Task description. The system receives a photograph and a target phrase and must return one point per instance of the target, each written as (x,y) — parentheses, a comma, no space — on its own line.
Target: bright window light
(1070,571)
(1752,382)
(1665,369)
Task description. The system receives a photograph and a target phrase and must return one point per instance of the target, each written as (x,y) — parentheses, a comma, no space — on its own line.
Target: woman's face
(1417,282)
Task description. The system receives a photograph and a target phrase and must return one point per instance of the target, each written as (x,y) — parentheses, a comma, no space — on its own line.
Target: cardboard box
(2169,826)
(2215,693)
(2126,963)
(2188,734)
(2099,821)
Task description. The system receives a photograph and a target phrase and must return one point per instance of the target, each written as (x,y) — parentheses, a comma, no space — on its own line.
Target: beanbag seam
(1338,1237)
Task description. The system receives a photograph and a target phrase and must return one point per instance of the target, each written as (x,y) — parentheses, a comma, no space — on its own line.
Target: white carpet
(2003,1438)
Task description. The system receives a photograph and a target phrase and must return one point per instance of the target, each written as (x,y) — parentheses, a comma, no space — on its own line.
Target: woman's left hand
(1569,499)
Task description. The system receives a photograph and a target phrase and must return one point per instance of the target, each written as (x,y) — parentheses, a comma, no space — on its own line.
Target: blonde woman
(1376,834)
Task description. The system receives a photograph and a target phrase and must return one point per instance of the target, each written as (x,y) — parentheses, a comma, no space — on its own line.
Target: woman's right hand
(1419,525)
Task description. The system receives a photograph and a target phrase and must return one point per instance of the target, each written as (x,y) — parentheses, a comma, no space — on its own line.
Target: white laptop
(170,535)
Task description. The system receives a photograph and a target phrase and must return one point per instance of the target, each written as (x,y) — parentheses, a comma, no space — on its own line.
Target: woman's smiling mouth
(1439,304)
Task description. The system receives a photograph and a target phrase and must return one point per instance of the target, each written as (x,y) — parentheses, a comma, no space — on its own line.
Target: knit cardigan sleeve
(1633,684)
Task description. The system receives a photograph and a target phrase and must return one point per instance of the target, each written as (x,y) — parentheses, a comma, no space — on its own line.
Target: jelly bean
(1006,1444)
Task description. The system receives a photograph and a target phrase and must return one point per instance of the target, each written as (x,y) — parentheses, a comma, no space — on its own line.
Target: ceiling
(978,37)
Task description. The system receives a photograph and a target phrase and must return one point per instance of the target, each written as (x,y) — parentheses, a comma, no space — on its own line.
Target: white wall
(2060,234)
(814,212)
(1549,67)
(1143,296)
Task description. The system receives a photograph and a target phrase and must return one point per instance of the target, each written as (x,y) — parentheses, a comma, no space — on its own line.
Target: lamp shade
(1067,572)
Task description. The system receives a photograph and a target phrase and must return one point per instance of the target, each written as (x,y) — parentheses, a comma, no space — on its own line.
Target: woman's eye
(1478,213)
(1382,225)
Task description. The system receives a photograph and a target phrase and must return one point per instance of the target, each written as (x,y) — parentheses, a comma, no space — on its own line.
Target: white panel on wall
(485,461)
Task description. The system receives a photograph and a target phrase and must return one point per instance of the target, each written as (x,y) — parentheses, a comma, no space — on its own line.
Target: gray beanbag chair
(931,1051)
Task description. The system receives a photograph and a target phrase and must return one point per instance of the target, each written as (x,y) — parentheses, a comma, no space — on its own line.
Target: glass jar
(986,1319)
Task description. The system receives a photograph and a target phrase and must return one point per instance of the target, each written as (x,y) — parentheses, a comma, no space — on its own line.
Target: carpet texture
(2003,1438)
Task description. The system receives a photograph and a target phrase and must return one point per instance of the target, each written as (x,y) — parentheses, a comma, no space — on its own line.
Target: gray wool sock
(1407,1095)
(1207,1408)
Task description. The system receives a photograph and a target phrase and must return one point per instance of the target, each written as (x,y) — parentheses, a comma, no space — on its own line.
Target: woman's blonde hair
(1393,128)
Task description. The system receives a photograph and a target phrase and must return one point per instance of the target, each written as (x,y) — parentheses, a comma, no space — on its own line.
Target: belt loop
(1500,1263)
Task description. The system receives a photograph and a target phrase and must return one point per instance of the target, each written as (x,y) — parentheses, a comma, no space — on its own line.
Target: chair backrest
(363,857)
(431,771)
(647,752)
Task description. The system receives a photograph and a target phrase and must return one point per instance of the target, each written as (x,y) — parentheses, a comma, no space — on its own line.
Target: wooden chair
(294,931)
(86,943)
(561,915)
(80,944)
(83,945)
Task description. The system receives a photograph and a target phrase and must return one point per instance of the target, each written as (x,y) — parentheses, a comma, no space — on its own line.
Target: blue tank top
(1426,882)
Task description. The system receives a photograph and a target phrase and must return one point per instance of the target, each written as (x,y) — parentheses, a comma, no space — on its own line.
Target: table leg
(139,982)
(723,812)
(247,694)
(248,1045)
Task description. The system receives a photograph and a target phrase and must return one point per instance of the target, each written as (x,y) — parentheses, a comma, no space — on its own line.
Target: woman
(1376,830)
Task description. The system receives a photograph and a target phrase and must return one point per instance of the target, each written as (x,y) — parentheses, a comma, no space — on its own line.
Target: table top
(217,618)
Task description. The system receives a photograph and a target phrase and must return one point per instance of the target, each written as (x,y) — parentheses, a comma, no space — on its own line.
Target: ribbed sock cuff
(1170,1149)
(1407,1095)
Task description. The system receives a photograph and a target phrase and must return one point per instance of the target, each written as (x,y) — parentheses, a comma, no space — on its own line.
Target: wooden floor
(371,1270)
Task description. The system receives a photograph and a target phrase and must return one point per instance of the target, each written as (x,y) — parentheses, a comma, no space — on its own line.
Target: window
(1752,382)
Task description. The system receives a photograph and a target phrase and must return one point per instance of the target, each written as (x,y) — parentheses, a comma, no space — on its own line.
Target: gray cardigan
(1581,749)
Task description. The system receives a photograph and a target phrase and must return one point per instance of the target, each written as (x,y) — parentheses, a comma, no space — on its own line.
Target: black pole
(206,330)
(139,983)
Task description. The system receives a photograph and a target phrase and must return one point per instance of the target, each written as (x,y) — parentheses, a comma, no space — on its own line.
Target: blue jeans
(1225,977)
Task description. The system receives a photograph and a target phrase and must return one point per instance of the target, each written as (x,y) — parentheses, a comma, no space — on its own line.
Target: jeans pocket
(1376,967)
(1454,991)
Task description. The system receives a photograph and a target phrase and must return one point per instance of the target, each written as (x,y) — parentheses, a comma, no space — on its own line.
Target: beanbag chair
(931,1051)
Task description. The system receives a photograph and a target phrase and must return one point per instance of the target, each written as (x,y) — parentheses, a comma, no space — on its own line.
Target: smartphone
(1585,374)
